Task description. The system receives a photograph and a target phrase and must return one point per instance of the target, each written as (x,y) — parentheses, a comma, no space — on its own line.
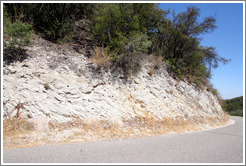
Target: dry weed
(145,124)
(101,57)
(14,126)
(191,79)
(46,86)
(156,61)
(151,71)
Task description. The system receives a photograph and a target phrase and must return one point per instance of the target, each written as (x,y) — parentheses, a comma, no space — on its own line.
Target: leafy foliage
(16,36)
(234,106)
(52,20)
(121,28)
(129,32)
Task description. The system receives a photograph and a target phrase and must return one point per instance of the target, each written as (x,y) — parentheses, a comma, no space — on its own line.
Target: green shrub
(236,113)
(16,36)
(234,106)
(198,82)
(129,63)
(214,91)
(20,34)
(53,21)
(138,42)
(134,51)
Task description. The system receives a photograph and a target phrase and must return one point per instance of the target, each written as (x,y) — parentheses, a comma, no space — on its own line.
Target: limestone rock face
(59,83)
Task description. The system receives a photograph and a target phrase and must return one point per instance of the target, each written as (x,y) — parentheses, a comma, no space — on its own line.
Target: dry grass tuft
(46,86)
(14,126)
(224,119)
(101,57)
(191,79)
(151,71)
(157,61)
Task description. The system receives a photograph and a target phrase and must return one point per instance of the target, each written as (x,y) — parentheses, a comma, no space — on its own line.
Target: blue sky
(227,39)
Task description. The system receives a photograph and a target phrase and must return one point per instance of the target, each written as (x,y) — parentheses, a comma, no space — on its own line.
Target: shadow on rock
(13,54)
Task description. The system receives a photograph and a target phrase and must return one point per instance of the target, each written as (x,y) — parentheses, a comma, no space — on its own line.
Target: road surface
(222,145)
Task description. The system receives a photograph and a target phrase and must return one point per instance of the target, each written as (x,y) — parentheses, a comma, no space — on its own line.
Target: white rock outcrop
(76,88)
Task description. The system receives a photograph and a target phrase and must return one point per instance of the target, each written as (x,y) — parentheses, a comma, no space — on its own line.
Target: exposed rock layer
(58,82)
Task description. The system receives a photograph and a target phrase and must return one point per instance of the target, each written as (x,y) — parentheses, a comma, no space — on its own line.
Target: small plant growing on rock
(151,71)
(46,86)
(191,79)
(156,61)
(101,57)
(18,107)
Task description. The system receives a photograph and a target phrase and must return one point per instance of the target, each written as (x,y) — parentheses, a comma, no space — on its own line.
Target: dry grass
(191,79)
(19,133)
(14,126)
(101,57)
(15,130)
(157,61)
(151,71)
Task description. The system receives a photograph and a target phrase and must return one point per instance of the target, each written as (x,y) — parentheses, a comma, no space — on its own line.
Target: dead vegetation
(46,86)
(156,63)
(101,57)
(20,133)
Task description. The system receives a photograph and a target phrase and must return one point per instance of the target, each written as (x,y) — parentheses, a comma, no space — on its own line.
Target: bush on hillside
(129,31)
(134,51)
(16,35)
(234,106)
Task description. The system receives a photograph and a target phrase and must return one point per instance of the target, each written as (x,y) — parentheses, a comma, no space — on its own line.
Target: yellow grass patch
(20,133)
(101,57)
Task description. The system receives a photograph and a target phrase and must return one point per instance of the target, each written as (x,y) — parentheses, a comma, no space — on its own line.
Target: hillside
(105,71)
(58,94)
(234,106)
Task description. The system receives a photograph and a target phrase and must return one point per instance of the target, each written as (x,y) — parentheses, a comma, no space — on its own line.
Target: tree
(212,58)
(179,43)
(123,29)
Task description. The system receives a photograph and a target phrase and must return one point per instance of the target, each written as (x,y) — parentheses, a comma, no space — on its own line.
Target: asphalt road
(222,145)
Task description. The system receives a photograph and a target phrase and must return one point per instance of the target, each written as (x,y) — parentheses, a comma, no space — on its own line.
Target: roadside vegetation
(116,36)
(234,106)
(19,133)
(126,32)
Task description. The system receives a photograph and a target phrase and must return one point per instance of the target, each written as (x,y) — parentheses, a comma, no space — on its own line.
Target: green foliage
(212,58)
(178,41)
(52,20)
(129,63)
(16,36)
(128,31)
(234,106)
(134,50)
(214,91)
(236,113)
(198,82)
(20,34)
(121,28)
(137,43)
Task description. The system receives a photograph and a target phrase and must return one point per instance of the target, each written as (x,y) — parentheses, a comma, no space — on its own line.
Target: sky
(228,41)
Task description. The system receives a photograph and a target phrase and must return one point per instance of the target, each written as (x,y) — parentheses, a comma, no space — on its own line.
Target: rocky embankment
(57,84)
